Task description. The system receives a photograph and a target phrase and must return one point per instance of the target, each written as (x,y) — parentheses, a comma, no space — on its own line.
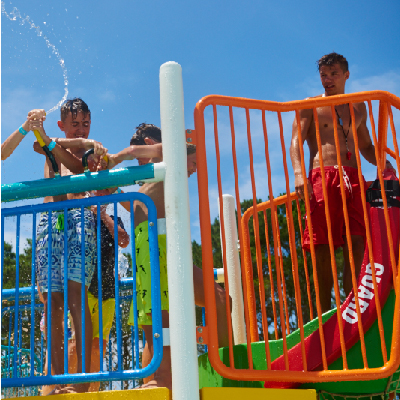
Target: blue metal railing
(74,184)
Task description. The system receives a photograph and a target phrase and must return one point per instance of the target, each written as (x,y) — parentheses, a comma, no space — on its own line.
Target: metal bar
(33,279)
(76,183)
(118,309)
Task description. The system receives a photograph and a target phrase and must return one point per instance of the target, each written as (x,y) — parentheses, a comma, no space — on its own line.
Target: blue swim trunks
(74,244)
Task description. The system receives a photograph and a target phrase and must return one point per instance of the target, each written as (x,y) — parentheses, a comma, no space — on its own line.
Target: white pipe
(159,173)
(233,266)
(182,321)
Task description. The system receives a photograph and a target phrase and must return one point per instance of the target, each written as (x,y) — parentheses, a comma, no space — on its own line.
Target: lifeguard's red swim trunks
(317,206)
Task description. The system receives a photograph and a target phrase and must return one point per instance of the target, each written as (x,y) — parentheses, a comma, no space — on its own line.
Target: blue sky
(113,51)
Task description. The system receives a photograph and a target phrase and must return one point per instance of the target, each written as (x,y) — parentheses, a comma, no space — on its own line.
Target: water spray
(14,16)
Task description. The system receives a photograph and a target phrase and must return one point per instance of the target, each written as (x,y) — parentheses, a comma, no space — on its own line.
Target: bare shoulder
(314,97)
(361,107)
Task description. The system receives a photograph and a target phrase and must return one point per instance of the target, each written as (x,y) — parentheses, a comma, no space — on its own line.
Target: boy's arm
(132,152)
(12,142)
(73,163)
(306,117)
(80,143)
(123,237)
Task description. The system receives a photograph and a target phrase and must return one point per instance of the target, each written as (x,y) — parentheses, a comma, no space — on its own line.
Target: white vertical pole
(185,376)
(233,266)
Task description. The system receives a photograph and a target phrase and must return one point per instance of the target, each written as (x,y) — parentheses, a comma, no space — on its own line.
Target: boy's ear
(149,141)
(60,125)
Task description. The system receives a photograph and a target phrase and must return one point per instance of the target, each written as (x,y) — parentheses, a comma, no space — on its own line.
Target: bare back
(156,192)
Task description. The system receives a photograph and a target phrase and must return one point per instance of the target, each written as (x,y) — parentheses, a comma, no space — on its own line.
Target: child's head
(191,158)
(146,131)
(75,119)
(73,107)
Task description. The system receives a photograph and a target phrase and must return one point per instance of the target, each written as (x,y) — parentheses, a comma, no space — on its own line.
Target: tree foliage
(269,259)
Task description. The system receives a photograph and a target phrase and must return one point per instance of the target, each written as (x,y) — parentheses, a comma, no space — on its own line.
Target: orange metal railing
(240,175)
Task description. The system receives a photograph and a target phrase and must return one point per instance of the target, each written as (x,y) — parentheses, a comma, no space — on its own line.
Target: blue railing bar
(83,291)
(16,296)
(81,378)
(41,353)
(22,307)
(155,280)
(77,203)
(9,341)
(25,292)
(75,183)
(100,286)
(117,303)
(65,238)
(110,359)
(19,341)
(49,294)
(2,251)
(132,284)
(33,293)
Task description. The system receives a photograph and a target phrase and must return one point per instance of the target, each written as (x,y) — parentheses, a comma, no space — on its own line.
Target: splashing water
(14,16)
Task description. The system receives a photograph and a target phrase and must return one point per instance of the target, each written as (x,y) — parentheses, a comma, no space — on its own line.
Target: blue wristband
(22,131)
(118,191)
(51,145)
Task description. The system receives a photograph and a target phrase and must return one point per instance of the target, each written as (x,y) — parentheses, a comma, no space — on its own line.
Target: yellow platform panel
(256,394)
(137,394)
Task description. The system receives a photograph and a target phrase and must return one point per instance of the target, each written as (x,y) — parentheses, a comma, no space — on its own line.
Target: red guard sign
(366,298)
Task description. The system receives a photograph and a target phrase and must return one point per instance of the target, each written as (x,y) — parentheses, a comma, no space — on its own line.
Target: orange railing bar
(312,248)
(241,239)
(292,244)
(228,306)
(348,234)
(379,154)
(271,278)
(395,155)
(329,226)
(387,101)
(305,260)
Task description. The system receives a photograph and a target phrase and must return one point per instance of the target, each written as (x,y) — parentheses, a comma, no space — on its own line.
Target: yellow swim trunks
(108,308)
(143,274)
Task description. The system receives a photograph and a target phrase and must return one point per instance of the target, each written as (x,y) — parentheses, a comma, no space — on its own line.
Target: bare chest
(342,116)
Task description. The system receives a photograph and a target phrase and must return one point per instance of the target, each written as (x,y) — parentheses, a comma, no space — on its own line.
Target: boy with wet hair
(144,131)
(75,123)
(146,146)
(331,59)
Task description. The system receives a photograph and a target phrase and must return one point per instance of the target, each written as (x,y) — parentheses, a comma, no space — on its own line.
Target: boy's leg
(95,364)
(220,298)
(57,332)
(74,304)
(108,308)
(358,247)
(325,278)
(163,376)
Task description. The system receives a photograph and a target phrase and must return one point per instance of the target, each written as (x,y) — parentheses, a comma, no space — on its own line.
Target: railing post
(185,378)
(233,267)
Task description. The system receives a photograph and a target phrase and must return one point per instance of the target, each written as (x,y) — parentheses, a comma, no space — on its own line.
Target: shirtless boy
(334,72)
(146,147)
(75,123)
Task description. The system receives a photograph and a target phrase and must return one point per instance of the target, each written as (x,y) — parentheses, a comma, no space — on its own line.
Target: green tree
(287,287)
